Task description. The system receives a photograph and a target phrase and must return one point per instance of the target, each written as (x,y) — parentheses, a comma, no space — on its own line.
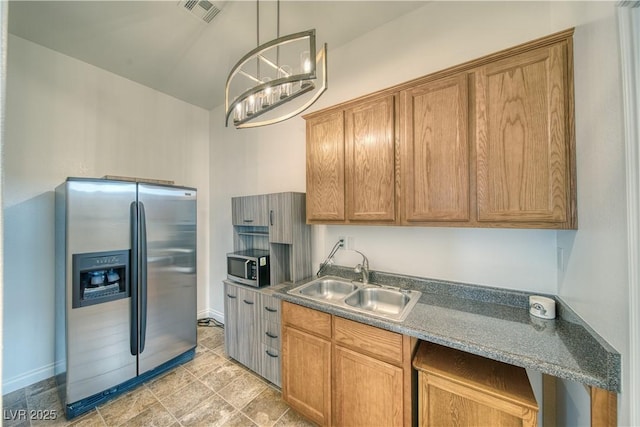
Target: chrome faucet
(363,268)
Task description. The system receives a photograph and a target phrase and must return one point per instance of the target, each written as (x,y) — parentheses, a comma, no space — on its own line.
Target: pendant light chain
(258,36)
(278,32)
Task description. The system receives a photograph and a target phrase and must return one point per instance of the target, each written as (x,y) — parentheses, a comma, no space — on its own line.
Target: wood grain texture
(325,168)
(306,319)
(376,342)
(306,374)
(271,364)
(231,320)
(604,408)
(249,210)
(458,388)
(281,217)
(367,389)
(243,325)
(248,333)
(370,160)
(435,151)
(368,392)
(521,143)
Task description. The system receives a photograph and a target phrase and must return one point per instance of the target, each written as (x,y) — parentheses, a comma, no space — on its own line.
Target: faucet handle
(357,268)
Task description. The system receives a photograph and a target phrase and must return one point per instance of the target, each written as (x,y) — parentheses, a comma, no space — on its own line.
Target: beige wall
(67,118)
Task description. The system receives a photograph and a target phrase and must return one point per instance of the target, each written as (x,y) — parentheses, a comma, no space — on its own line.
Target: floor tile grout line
(162,404)
(218,351)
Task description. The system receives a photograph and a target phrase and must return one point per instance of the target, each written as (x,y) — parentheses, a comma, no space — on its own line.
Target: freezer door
(167,297)
(98,353)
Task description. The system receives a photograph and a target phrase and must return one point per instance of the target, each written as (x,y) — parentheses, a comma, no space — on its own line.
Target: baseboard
(28,378)
(217,315)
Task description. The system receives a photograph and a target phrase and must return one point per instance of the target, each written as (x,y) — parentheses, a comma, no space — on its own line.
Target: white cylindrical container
(542,307)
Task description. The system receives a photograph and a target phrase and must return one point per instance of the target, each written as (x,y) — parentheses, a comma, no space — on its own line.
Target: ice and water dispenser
(100,277)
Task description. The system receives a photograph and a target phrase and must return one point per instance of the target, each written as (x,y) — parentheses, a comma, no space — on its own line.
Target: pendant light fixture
(267,85)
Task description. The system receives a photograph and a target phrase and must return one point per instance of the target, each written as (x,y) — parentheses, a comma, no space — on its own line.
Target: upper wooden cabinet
(488,143)
(521,138)
(435,151)
(351,164)
(370,160)
(325,168)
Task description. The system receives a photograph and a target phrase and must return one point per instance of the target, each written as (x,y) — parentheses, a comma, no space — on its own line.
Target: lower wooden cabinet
(344,373)
(367,391)
(462,389)
(306,374)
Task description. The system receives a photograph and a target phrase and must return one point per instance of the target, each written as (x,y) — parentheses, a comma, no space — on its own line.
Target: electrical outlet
(349,243)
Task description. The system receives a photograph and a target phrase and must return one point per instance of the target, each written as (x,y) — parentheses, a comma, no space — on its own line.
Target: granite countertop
(489,322)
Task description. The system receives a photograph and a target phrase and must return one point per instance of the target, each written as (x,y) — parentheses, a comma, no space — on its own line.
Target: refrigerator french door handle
(143,276)
(133,279)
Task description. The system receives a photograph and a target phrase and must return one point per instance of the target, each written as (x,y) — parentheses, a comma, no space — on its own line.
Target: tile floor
(210,390)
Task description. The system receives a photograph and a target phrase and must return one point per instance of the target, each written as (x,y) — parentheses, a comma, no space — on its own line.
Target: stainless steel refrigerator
(125,286)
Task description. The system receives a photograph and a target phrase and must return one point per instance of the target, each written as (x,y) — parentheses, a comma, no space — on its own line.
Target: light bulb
(267,94)
(305,66)
(250,105)
(285,88)
(237,113)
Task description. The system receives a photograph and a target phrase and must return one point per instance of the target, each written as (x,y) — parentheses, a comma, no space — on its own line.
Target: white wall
(595,281)
(67,118)
(436,36)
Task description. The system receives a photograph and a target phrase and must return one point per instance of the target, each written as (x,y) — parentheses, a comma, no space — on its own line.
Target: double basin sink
(376,300)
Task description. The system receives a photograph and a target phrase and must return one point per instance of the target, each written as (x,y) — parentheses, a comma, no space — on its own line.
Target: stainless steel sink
(327,288)
(381,301)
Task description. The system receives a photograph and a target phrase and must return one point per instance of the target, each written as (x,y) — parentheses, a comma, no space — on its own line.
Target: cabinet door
(271,364)
(306,374)
(248,334)
(522,138)
(370,160)
(231,320)
(435,151)
(367,392)
(325,168)
(281,218)
(250,210)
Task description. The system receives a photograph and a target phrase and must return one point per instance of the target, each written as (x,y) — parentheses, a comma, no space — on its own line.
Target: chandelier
(273,74)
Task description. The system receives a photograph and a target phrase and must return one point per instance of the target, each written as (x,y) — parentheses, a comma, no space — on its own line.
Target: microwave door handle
(246,269)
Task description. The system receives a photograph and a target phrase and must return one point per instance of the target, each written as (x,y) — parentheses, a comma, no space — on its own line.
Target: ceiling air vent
(203,9)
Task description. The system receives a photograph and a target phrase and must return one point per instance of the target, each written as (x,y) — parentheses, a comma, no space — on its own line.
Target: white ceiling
(162,46)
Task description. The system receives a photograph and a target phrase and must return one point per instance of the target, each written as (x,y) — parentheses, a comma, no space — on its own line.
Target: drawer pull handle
(270,335)
(232,296)
(271,355)
(248,302)
(247,220)
(271,310)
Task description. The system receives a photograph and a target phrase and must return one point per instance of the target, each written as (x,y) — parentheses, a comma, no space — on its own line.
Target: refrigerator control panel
(100,277)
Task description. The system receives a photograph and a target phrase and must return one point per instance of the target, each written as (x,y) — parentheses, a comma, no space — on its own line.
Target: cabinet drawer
(271,364)
(306,319)
(271,334)
(270,309)
(384,345)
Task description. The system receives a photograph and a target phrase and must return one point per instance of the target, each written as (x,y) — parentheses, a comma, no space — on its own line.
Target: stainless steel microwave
(250,267)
